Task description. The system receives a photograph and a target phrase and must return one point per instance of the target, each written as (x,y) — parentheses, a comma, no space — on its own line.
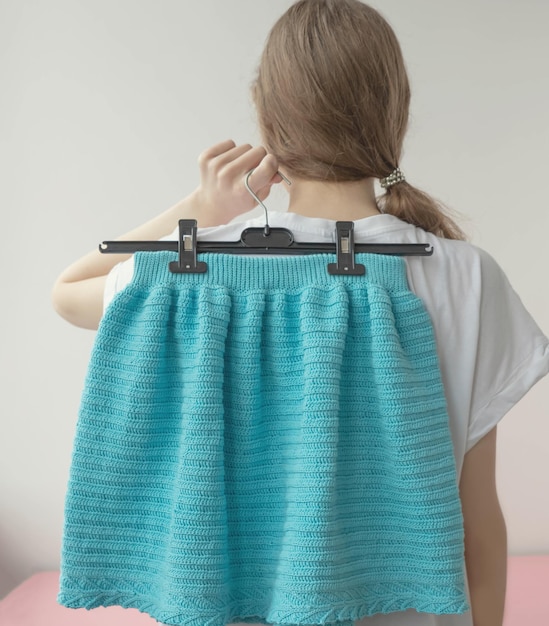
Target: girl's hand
(222,191)
(78,292)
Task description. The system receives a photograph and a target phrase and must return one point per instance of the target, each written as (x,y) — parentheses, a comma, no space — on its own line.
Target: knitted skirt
(267,443)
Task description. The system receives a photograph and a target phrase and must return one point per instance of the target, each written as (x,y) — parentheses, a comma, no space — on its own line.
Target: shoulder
(466,267)
(455,274)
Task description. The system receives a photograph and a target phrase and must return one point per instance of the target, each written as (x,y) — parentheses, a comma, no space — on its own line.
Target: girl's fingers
(225,166)
(246,161)
(225,153)
(215,151)
(239,160)
(226,159)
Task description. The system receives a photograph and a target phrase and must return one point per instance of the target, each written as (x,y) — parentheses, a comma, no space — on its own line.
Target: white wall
(104,108)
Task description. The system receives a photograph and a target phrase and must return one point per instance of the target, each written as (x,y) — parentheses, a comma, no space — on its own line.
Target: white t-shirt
(491,351)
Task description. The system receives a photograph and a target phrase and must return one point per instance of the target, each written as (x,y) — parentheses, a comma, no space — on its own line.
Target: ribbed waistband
(242,272)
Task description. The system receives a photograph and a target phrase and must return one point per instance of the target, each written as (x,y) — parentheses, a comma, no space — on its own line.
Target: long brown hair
(332,97)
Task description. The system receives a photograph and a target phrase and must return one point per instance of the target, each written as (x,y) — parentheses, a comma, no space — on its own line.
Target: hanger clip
(345,250)
(187,262)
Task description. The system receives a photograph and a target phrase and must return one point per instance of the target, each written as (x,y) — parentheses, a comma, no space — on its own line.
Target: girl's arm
(485,533)
(77,294)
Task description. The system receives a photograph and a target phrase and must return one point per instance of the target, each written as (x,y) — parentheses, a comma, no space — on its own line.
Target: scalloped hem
(346,615)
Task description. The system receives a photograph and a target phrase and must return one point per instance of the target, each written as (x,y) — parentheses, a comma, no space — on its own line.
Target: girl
(332,97)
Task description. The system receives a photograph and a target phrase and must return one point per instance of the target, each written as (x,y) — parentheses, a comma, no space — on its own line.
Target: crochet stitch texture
(267,443)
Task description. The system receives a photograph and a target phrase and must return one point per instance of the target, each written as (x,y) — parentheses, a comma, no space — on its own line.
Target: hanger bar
(237,247)
(259,241)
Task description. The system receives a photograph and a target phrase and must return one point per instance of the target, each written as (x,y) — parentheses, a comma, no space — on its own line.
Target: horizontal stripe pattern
(264,442)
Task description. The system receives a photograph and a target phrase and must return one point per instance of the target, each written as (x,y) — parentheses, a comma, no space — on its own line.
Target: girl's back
(332,97)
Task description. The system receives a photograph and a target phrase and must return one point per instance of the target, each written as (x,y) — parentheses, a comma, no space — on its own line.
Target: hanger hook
(267,228)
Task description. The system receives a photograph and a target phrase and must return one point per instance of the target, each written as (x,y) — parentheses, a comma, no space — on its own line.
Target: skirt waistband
(241,272)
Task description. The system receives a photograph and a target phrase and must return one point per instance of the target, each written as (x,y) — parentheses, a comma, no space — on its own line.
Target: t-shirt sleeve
(119,276)
(122,273)
(512,351)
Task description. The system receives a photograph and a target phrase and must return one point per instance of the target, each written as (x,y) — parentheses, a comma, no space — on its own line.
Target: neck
(336,201)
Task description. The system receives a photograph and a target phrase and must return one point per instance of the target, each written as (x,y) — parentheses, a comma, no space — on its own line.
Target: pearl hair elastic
(395,177)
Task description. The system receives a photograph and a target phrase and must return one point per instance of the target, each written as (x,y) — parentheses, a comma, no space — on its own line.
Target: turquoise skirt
(267,443)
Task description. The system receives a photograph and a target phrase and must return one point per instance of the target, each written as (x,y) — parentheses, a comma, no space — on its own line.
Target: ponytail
(416,207)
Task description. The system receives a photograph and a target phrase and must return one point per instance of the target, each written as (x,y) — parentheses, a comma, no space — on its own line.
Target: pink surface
(527,598)
(34,603)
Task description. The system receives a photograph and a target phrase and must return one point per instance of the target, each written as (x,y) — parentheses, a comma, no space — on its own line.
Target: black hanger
(266,240)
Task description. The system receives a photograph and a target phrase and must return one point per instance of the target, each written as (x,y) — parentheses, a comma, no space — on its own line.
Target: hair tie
(395,177)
